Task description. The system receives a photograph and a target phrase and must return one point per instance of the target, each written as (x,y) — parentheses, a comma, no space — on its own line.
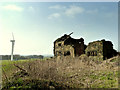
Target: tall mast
(13,42)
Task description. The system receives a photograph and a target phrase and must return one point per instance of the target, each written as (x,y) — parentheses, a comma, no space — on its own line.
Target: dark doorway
(67,53)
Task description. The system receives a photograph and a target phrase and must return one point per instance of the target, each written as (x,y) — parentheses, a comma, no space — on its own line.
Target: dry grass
(79,72)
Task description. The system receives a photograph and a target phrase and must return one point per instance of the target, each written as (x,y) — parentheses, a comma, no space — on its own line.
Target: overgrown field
(66,72)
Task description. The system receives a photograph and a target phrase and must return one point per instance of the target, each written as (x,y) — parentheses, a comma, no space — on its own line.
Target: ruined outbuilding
(100,50)
(68,46)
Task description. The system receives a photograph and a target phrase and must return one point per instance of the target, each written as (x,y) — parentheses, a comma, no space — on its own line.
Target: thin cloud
(57,7)
(74,10)
(70,11)
(31,9)
(92,11)
(13,8)
(54,15)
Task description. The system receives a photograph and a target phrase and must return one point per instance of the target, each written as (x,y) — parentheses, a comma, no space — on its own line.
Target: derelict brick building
(100,50)
(67,46)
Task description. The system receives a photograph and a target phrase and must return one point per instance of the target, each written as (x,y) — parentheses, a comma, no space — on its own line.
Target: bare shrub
(75,72)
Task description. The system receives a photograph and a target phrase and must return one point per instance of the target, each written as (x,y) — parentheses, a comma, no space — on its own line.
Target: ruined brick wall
(79,49)
(100,50)
(68,46)
(57,48)
(107,49)
(63,50)
(95,50)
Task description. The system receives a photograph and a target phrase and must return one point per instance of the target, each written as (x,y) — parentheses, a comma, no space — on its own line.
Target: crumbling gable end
(67,46)
(100,50)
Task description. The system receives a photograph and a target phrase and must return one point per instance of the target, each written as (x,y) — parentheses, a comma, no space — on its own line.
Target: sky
(36,25)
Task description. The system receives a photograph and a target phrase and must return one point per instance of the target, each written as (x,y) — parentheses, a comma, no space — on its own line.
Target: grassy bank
(67,72)
(8,67)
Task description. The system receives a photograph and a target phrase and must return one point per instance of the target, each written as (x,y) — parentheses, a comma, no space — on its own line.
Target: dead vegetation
(68,72)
